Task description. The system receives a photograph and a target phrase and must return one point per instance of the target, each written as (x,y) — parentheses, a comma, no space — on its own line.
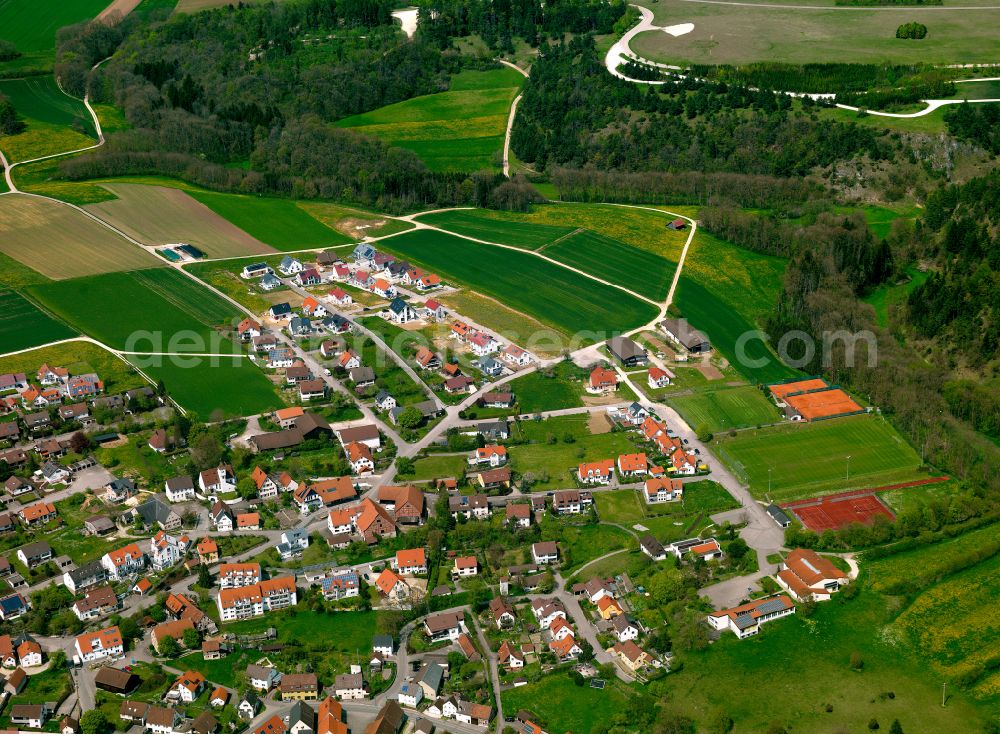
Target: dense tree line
(818,77)
(8,51)
(499,22)
(683,187)
(977,123)
(575,114)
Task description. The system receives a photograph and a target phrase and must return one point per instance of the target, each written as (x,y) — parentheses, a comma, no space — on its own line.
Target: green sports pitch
(725,408)
(801,460)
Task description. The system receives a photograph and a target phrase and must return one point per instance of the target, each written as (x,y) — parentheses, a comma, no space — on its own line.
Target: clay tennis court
(838,513)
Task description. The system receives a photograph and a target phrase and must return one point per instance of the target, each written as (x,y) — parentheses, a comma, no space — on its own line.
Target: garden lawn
(458,130)
(808,459)
(342,631)
(437,467)
(638,270)
(280,223)
(721,409)
(561,705)
(670,520)
(538,391)
(23,325)
(543,290)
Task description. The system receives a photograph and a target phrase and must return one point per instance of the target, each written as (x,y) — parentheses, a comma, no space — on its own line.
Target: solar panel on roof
(772,605)
(744,620)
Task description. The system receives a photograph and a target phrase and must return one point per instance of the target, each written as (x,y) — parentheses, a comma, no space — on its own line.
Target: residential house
(608,607)
(349,687)
(427,360)
(34,554)
(270,282)
(342,585)
(624,628)
(391,586)
(38,513)
(411,562)
(249,328)
(658,378)
(348,360)
(444,626)
(518,515)
(663,489)
(406,503)
(565,648)
(652,548)
(362,377)
(360,458)
(602,381)
(483,344)
(83,577)
(495,430)
(299,687)
(92,646)
(434,310)
(492,368)
(221,516)
(238,575)
(545,552)
(340,297)
(514,355)
(307,277)
(469,506)
(465,566)
(220,480)
(249,705)
(492,455)
(13,606)
(208,550)
(290,266)
(502,612)
(509,656)
(255,270)
(631,655)
(187,687)
(292,544)
(280,311)
(262,678)
(572,501)
(459,384)
(256,600)
(30,715)
(410,694)
(596,472)
(632,465)
(399,311)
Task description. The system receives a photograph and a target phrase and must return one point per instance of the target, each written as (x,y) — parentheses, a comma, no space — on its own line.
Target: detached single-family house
(602,381)
(545,552)
(399,311)
(290,266)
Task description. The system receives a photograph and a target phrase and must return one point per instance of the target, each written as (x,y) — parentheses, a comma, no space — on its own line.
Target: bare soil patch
(709,370)
(158,215)
(117,10)
(599,422)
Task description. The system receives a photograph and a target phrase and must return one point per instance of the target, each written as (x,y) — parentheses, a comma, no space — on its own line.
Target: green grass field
(608,259)
(437,467)
(725,408)
(545,223)
(482,225)
(161,310)
(744,33)
(280,223)
(561,705)
(78,358)
(887,296)
(807,663)
(54,121)
(539,391)
(23,325)
(555,296)
(34,32)
(809,459)
(726,291)
(458,130)
(559,459)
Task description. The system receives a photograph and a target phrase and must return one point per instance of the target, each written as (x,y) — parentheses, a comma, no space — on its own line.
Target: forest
(499,22)
(257,86)
(575,114)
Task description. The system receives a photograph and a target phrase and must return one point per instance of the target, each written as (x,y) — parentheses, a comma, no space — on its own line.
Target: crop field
(54,121)
(458,130)
(608,259)
(23,325)
(747,33)
(116,307)
(726,291)
(157,215)
(34,32)
(553,295)
(60,242)
(482,225)
(810,459)
(280,223)
(725,408)
(215,389)
(545,223)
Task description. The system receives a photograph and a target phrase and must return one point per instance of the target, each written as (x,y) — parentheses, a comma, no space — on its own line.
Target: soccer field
(807,459)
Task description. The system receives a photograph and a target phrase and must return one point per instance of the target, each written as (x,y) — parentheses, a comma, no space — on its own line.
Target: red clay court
(836,511)
(839,513)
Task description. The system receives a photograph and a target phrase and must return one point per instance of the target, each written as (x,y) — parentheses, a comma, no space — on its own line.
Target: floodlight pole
(848,467)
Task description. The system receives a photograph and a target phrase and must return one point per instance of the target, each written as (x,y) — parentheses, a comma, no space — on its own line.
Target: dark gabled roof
(624,348)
